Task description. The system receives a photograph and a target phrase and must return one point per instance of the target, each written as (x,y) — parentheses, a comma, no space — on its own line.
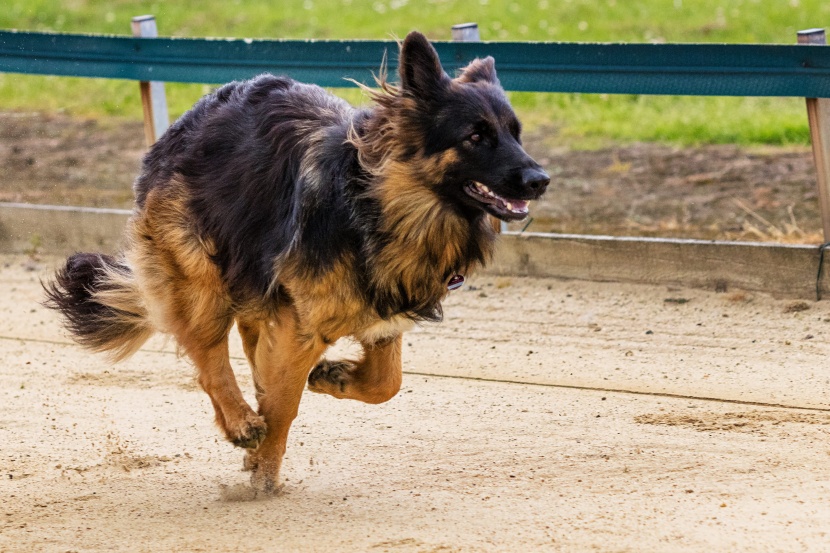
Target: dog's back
(257,160)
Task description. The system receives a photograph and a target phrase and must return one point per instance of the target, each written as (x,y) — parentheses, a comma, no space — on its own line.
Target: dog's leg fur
(374,379)
(249,332)
(241,425)
(187,297)
(281,358)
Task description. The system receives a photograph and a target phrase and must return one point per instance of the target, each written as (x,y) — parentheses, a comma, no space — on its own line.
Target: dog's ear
(480,70)
(419,67)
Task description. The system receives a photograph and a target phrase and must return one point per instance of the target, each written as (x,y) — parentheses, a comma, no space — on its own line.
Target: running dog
(279,207)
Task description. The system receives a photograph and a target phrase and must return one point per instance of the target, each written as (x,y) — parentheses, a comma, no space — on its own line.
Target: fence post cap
(811,36)
(465,32)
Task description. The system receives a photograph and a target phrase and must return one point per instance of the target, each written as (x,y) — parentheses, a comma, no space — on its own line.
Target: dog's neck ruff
(456,282)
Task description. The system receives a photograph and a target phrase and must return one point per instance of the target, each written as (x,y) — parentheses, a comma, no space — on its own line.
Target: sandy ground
(542,415)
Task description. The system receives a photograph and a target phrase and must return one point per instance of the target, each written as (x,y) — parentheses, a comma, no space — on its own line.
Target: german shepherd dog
(280,207)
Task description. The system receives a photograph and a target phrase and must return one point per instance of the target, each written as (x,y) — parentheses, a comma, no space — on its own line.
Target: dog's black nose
(535,179)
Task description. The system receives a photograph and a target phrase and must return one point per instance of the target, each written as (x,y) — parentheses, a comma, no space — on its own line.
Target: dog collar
(456,282)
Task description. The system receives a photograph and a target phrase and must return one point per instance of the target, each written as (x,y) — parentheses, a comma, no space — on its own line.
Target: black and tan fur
(279,207)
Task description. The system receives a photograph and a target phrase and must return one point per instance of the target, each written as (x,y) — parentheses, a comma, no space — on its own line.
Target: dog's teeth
(509,206)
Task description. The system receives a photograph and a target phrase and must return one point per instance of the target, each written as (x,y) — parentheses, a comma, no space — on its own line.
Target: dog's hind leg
(374,379)
(187,296)
(200,320)
(281,359)
(201,329)
(241,425)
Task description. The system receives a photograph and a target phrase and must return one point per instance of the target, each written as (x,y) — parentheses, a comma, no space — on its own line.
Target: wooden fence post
(153,98)
(818,113)
(468,32)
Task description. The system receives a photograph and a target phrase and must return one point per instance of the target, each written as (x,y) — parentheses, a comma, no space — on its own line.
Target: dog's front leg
(374,379)
(282,360)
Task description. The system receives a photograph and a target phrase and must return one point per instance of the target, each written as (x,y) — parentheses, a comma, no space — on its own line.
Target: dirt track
(587,434)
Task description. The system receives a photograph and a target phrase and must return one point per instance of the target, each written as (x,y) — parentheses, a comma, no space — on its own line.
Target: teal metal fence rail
(681,69)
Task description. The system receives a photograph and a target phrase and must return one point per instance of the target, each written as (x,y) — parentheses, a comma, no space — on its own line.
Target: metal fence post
(153,98)
(465,32)
(818,113)
(468,32)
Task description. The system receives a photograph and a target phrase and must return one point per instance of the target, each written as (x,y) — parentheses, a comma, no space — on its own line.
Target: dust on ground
(711,192)
(748,421)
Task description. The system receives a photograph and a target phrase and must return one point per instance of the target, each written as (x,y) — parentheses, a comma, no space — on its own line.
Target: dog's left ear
(419,67)
(479,70)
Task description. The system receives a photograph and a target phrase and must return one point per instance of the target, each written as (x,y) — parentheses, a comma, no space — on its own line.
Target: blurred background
(694,167)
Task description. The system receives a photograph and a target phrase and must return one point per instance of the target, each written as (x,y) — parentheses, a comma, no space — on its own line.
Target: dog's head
(469,136)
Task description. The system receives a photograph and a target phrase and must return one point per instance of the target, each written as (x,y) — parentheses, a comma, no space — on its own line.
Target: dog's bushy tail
(99,299)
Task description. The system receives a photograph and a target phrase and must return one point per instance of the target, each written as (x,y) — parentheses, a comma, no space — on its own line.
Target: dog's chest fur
(384,330)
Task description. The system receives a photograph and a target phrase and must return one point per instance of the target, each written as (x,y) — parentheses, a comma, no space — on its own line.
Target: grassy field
(579,120)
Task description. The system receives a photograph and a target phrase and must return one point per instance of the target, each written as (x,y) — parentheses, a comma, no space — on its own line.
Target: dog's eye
(475,137)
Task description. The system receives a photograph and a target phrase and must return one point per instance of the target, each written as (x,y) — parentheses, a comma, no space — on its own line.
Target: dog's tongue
(515,206)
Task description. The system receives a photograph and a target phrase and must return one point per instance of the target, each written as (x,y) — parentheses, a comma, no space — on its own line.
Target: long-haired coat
(280,207)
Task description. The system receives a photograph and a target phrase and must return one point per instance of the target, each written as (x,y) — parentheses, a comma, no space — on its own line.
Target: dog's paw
(330,377)
(249,433)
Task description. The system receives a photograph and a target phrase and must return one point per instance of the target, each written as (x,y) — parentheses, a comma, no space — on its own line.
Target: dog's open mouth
(503,208)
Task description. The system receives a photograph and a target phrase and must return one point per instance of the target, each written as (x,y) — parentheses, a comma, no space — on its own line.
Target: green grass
(580,120)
